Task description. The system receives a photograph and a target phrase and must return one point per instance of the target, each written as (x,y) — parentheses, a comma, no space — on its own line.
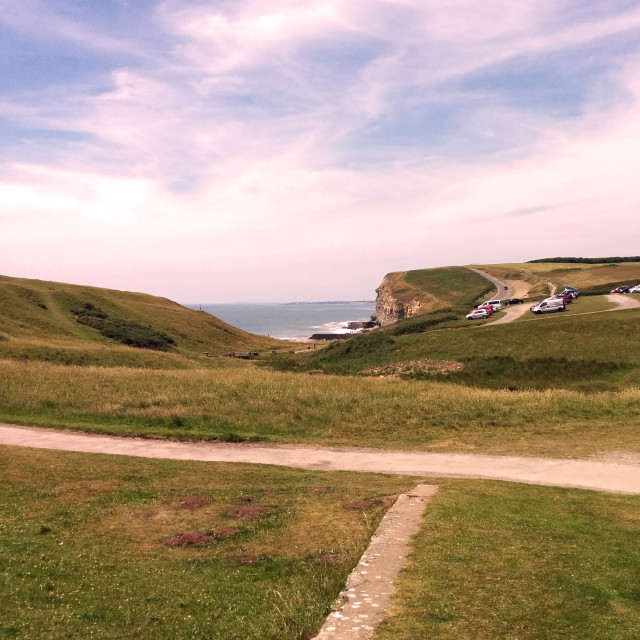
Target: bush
(123,331)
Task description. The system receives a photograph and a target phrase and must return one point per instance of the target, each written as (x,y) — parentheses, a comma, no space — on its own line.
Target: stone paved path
(363,603)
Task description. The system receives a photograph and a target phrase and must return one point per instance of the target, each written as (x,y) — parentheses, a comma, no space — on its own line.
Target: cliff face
(392,301)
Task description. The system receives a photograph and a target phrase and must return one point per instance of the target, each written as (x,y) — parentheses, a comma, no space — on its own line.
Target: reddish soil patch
(221,534)
(361,504)
(193,502)
(249,512)
(189,540)
(242,500)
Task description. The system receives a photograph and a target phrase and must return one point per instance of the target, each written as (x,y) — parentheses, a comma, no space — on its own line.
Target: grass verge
(83,553)
(504,561)
(256,404)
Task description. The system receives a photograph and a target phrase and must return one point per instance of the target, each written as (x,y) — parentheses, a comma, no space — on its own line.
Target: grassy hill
(581,349)
(422,291)
(589,278)
(73,324)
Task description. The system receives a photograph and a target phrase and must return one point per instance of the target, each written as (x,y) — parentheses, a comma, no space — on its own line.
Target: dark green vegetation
(83,552)
(506,561)
(588,260)
(123,331)
(72,324)
(589,352)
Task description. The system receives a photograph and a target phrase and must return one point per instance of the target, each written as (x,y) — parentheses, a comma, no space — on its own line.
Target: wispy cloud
(302,140)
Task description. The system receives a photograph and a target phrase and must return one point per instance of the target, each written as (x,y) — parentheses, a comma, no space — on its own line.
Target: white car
(548,306)
(635,289)
(477,313)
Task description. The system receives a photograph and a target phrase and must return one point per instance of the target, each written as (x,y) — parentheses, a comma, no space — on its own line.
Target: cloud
(299,142)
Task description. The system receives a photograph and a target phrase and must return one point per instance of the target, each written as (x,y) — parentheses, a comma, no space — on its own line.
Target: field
(85,546)
(85,552)
(250,404)
(589,278)
(83,538)
(445,288)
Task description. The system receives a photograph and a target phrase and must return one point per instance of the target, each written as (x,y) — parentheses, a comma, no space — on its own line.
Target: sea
(291,320)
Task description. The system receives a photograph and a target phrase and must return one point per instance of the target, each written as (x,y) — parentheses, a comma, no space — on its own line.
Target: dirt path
(588,474)
(624,300)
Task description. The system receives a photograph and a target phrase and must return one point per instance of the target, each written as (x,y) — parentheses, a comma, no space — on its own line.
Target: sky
(249,151)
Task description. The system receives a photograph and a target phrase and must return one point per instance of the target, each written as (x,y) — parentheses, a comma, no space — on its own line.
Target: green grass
(446,289)
(576,349)
(82,550)
(82,553)
(255,404)
(505,561)
(35,314)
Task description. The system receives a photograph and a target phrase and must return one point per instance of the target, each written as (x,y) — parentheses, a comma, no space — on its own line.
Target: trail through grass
(256,404)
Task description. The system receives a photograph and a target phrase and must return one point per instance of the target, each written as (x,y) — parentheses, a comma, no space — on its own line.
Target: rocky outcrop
(394,301)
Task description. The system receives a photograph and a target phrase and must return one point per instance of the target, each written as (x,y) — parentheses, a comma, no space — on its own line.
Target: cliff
(396,299)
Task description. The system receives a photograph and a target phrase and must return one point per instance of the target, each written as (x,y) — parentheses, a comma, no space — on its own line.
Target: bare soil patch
(242,500)
(424,365)
(189,540)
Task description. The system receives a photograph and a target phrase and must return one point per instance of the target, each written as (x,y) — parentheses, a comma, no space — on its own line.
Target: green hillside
(440,289)
(74,324)
(586,348)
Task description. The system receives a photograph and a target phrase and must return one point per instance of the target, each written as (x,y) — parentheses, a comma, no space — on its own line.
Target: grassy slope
(589,278)
(37,323)
(441,288)
(591,351)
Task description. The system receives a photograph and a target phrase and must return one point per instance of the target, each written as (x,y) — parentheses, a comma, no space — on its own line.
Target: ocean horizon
(291,320)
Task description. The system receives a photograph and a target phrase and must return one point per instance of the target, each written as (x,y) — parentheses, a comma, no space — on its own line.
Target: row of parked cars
(626,289)
(557,302)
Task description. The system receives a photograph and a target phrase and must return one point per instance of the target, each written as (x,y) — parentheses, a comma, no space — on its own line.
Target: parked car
(548,306)
(514,301)
(573,290)
(621,289)
(477,313)
(635,289)
(566,298)
(496,305)
(487,308)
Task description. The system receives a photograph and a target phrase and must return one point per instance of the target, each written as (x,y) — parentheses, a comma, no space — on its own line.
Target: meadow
(87,549)
(92,546)
(255,404)
(84,546)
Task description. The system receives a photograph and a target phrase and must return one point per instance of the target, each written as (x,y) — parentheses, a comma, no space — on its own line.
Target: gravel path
(624,300)
(588,474)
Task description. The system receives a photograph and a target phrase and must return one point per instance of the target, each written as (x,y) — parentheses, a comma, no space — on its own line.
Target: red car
(622,289)
(487,308)
(565,297)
